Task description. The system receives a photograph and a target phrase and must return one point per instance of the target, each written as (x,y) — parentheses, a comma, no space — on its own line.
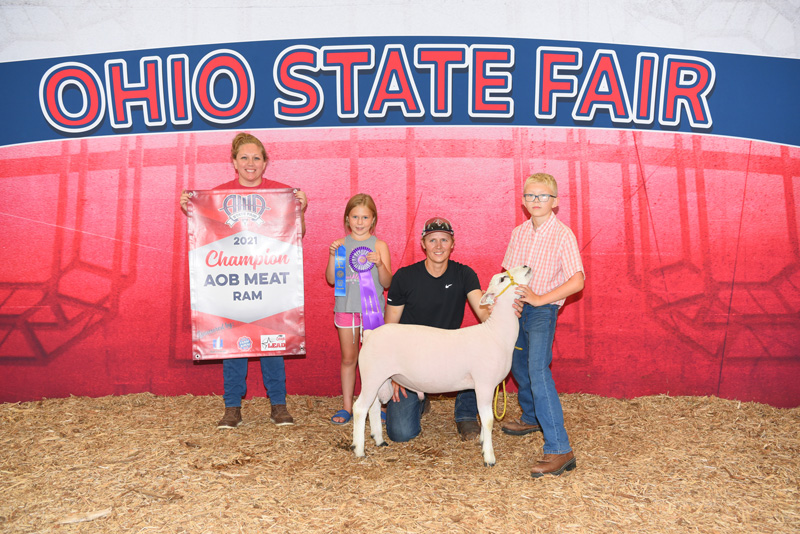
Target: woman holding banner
(250,160)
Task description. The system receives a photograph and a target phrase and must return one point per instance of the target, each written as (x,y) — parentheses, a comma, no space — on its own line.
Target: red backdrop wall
(690,245)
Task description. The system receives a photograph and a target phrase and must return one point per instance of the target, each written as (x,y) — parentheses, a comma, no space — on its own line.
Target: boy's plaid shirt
(551,251)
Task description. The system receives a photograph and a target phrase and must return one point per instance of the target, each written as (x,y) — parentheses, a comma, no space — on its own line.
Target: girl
(360,218)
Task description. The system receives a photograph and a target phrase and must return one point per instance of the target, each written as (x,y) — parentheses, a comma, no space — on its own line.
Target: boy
(550,248)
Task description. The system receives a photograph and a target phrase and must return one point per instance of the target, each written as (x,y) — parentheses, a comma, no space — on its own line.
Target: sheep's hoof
(487,464)
(384,444)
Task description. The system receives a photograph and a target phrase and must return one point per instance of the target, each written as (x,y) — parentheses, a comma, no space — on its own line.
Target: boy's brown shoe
(280,415)
(554,464)
(518,428)
(232,418)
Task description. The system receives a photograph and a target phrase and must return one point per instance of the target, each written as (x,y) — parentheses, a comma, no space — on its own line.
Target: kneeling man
(432,292)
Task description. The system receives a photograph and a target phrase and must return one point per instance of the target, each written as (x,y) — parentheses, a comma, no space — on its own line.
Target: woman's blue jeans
(234,374)
(538,397)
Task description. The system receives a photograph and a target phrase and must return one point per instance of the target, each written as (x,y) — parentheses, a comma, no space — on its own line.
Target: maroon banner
(246,274)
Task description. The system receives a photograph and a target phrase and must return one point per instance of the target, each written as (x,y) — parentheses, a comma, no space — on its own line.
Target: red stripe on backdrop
(690,245)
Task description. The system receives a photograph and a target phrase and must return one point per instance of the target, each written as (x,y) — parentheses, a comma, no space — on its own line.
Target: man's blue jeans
(234,374)
(538,397)
(466,406)
(403,417)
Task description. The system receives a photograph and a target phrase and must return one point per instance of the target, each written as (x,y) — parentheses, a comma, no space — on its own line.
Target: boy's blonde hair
(361,199)
(243,138)
(542,178)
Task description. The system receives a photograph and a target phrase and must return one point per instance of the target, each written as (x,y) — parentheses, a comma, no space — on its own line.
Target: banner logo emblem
(244,208)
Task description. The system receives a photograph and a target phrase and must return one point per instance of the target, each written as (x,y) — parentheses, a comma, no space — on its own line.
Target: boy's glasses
(544,197)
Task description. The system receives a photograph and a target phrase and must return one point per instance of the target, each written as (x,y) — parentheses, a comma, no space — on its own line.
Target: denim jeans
(466,406)
(234,374)
(538,397)
(403,417)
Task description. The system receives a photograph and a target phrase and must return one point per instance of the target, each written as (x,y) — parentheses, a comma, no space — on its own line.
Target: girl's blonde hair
(243,138)
(361,199)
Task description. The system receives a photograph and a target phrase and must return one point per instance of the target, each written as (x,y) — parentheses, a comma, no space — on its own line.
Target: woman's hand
(184,201)
(301,196)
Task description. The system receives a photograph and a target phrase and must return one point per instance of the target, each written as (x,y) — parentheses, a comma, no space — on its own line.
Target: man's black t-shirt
(430,301)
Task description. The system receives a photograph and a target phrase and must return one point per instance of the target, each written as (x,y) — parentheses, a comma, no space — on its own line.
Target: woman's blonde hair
(243,138)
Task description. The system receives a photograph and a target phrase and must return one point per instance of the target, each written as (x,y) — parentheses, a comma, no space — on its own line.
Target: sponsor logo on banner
(273,342)
(244,343)
(217,343)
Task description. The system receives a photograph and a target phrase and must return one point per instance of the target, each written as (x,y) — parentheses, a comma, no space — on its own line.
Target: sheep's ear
(487,299)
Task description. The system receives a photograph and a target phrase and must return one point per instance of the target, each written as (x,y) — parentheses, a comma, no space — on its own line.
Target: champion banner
(246,274)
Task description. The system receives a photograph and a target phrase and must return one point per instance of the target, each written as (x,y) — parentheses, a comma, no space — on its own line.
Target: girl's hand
(184,201)
(335,246)
(527,295)
(375,257)
(301,196)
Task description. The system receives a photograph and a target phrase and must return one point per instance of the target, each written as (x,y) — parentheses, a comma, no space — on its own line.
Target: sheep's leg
(487,421)
(375,425)
(359,422)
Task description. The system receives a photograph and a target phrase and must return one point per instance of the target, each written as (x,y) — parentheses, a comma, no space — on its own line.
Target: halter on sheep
(434,360)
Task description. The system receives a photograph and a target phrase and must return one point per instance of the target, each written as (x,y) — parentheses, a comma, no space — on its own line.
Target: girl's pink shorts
(347,320)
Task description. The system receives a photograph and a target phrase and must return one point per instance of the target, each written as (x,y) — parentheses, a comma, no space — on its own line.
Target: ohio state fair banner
(246,274)
(398,81)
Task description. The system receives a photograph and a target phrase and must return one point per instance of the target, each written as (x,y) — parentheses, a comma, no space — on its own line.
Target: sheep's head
(500,282)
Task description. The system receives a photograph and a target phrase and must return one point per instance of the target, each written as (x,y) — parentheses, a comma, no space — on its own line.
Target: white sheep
(435,360)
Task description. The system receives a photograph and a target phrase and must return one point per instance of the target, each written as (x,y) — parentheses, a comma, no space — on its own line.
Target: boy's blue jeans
(403,417)
(538,397)
(234,375)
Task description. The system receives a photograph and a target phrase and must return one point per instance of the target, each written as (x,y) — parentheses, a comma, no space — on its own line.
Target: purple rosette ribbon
(371,316)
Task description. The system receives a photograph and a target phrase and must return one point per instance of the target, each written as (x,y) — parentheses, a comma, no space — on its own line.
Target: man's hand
(397,389)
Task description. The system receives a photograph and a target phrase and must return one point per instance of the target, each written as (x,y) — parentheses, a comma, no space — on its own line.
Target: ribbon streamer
(371,316)
(339,272)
